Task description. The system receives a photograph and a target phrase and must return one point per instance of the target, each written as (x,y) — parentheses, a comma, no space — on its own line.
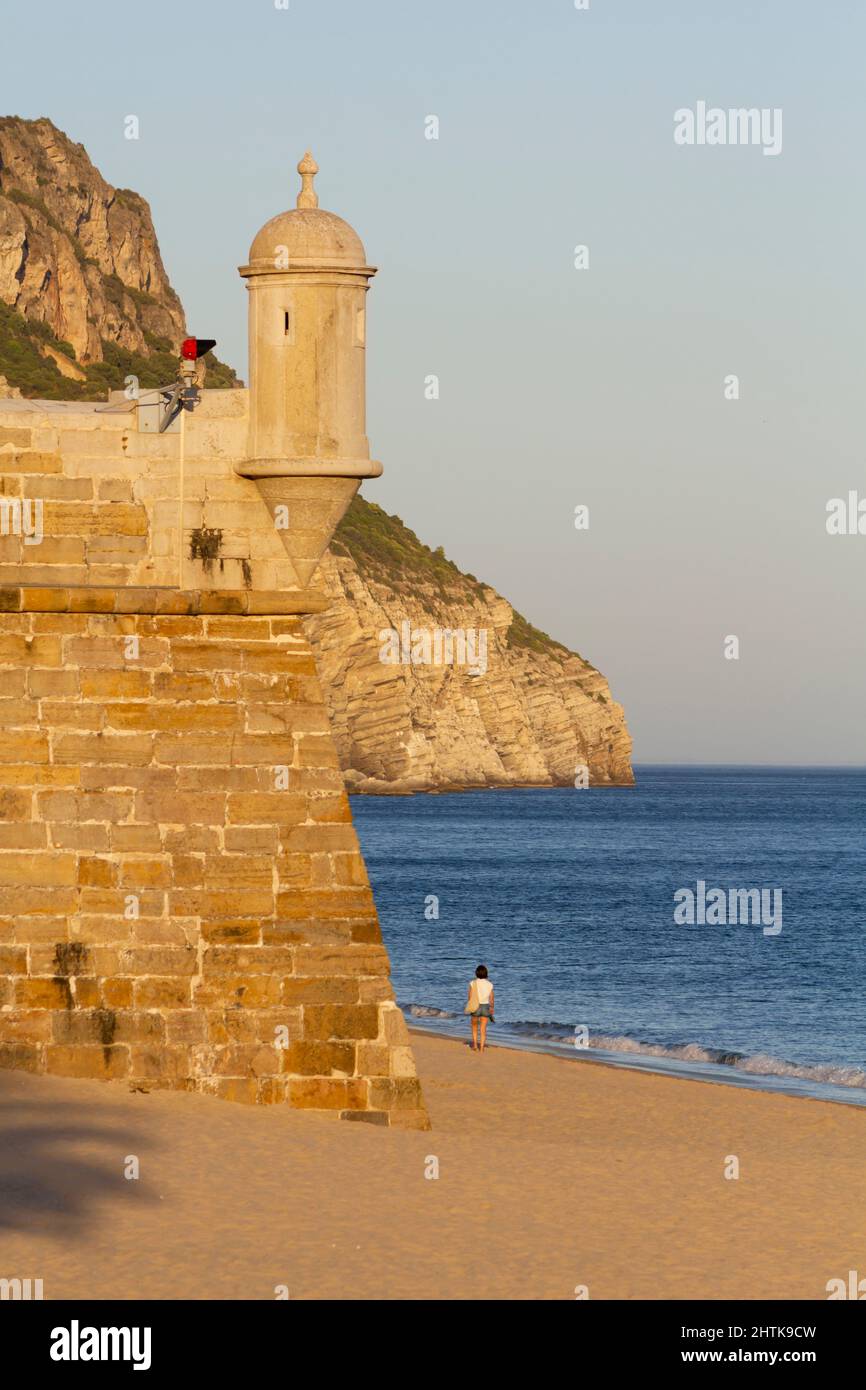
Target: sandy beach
(552,1174)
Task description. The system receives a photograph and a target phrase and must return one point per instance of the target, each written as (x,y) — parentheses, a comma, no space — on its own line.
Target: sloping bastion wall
(183,902)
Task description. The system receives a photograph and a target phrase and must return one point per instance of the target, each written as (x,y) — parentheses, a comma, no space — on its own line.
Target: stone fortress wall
(183,902)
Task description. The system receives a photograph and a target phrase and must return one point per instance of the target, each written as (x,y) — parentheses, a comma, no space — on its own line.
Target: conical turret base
(306,513)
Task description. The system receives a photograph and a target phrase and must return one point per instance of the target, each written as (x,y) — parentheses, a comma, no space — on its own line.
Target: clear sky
(558,386)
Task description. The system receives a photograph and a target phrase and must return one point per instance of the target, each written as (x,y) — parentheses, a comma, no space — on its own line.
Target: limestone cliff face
(75,253)
(533,717)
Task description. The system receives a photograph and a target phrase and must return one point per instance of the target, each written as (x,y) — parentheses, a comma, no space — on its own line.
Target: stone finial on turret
(308,169)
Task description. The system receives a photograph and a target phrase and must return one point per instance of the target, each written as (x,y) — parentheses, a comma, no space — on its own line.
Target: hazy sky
(559,386)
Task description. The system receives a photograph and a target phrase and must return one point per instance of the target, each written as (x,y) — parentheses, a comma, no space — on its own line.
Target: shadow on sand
(56,1163)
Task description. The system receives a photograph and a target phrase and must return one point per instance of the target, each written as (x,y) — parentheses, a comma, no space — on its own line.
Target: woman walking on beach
(480,1005)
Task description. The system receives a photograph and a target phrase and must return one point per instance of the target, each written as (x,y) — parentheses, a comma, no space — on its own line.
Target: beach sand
(552,1174)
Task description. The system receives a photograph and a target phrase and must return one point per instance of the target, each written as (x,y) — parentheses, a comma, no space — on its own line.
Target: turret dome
(307,235)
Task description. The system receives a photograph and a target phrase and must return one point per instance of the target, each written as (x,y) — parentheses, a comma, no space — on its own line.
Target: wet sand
(552,1175)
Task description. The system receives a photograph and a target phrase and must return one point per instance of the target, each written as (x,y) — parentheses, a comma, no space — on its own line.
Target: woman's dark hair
(481,972)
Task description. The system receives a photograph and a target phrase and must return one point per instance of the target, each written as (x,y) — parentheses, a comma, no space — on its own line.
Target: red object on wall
(193,348)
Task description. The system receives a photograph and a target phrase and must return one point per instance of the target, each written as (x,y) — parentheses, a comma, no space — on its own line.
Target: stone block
(87,1060)
(318,1059)
(327,1093)
(13,960)
(341,960)
(20,1056)
(270,808)
(341,1022)
(155,992)
(374,1059)
(29,1026)
(42,993)
(393,1028)
(319,990)
(242,1089)
(402,1062)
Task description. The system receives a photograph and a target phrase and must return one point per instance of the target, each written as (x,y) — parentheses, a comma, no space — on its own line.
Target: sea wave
(758,1064)
(427,1011)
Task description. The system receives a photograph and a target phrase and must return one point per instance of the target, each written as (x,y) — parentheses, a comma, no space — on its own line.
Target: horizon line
(813,767)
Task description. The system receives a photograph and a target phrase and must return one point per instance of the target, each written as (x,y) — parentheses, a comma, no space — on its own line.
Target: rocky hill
(535,715)
(85,301)
(84,297)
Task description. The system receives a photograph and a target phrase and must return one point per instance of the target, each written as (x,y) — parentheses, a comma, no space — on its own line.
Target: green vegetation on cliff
(385,550)
(38,377)
(24,366)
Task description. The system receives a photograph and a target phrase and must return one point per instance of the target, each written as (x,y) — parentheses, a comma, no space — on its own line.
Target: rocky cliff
(534,715)
(84,296)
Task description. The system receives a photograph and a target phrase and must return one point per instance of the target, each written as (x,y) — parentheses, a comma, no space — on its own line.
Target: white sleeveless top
(484,989)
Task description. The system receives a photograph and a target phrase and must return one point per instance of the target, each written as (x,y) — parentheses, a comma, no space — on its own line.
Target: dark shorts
(483,1011)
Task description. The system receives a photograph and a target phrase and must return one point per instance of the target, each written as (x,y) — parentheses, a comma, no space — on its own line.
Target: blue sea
(568,897)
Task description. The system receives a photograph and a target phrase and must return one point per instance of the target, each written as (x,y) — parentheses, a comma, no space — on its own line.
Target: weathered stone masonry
(183,902)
